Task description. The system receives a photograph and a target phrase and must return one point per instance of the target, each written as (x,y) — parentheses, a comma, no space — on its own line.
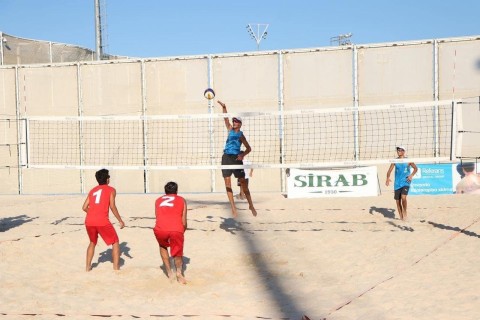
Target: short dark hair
(171,188)
(102,176)
(468,166)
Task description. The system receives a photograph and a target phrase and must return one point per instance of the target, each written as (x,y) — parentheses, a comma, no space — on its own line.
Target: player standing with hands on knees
(403,178)
(233,156)
(99,201)
(170,227)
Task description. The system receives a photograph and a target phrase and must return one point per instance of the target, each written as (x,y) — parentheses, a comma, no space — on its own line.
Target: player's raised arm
(227,121)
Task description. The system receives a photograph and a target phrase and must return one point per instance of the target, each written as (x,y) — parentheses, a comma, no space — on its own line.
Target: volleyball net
(282,139)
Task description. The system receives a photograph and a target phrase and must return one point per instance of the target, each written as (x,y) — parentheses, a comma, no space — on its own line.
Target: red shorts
(108,234)
(171,239)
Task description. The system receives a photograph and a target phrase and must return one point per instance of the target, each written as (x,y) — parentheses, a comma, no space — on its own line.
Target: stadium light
(341,40)
(258,32)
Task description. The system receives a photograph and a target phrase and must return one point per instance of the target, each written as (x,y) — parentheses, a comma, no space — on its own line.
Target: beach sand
(336,258)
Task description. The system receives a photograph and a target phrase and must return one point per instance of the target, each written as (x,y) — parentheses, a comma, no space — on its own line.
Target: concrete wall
(359,75)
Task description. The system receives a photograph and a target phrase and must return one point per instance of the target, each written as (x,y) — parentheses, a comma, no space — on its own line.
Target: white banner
(357,182)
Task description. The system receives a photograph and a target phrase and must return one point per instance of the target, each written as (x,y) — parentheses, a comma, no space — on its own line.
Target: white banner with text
(356,182)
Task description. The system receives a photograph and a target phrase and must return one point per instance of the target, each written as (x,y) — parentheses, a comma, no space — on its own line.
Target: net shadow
(401,227)
(286,303)
(13,222)
(450,228)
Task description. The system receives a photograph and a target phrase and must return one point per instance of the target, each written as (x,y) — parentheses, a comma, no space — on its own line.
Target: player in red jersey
(170,226)
(97,205)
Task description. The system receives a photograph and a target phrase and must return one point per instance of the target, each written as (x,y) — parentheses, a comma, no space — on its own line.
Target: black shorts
(399,192)
(231,159)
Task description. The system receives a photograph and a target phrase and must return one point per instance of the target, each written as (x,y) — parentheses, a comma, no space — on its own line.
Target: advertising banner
(356,182)
(433,179)
(447,178)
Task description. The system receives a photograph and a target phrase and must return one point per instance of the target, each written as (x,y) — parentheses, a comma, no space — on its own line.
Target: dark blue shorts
(399,192)
(231,159)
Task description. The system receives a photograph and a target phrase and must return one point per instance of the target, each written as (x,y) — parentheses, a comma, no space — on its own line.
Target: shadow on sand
(457,229)
(13,222)
(386,212)
(106,256)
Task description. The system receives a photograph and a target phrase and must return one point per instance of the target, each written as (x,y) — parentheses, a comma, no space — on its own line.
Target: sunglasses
(235,120)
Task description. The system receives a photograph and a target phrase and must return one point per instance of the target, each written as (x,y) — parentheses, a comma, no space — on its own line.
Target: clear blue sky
(158,28)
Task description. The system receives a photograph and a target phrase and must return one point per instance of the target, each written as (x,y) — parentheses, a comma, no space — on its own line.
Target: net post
(146,182)
(19,151)
(355,102)
(435,71)
(453,140)
(436,146)
(281,124)
(436,151)
(210,124)
(23,142)
(80,127)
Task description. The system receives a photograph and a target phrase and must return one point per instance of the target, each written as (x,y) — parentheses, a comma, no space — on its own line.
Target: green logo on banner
(320,181)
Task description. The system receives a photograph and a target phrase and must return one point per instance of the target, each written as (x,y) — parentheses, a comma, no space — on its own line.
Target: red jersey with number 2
(99,206)
(169,212)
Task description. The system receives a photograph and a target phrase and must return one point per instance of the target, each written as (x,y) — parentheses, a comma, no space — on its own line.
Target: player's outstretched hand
(222,104)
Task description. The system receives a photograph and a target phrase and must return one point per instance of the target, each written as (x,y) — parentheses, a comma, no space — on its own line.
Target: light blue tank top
(402,171)
(233,143)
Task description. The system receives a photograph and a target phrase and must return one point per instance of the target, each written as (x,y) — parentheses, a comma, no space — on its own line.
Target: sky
(158,28)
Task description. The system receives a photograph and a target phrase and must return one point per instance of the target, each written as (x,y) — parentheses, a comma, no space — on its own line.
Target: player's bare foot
(254,212)
(181,279)
(234,213)
(171,276)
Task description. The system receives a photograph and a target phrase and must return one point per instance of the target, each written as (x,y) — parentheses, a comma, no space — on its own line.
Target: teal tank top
(233,143)
(402,171)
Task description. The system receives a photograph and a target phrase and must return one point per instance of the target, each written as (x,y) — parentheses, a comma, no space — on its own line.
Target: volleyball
(209,94)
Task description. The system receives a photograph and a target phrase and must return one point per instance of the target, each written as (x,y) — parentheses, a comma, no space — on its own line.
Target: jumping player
(99,201)
(233,156)
(403,178)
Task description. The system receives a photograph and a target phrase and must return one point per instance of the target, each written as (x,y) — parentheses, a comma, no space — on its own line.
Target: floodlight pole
(98,31)
(258,32)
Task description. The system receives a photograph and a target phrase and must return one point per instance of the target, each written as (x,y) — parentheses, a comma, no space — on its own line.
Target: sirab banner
(356,182)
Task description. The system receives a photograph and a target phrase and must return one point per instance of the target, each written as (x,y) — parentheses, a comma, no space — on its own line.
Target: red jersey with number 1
(169,212)
(99,206)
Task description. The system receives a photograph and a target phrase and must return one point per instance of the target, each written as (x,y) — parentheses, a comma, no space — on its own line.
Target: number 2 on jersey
(167,201)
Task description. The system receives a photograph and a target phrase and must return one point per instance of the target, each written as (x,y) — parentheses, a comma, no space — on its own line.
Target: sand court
(343,258)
